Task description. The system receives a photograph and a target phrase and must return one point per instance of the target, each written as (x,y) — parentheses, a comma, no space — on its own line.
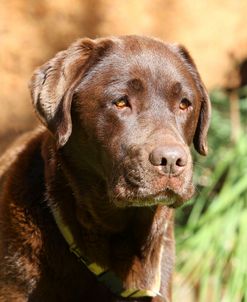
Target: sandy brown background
(32,31)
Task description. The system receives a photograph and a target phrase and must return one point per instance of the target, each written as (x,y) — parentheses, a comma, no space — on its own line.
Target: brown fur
(93,162)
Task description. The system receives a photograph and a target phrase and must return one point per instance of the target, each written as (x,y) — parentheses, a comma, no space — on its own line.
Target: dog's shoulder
(21,185)
(18,159)
(19,146)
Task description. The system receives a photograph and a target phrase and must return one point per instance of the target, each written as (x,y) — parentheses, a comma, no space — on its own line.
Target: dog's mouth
(169,191)
(166,197)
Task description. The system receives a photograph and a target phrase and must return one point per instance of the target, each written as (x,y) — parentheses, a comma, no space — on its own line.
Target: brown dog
(86,214)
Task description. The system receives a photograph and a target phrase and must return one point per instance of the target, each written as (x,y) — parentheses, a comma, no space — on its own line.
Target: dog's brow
(135,84)
(176,88)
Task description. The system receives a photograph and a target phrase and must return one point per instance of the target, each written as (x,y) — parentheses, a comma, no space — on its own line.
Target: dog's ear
(53,84)
(200,136)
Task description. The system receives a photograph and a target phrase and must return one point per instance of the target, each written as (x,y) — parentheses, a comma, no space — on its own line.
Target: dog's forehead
(141,57)
(157,65)
(145,54)
(138,44)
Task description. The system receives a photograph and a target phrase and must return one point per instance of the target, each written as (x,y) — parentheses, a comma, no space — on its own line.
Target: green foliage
(212,240)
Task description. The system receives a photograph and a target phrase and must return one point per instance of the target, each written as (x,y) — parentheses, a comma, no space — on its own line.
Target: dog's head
(135,106)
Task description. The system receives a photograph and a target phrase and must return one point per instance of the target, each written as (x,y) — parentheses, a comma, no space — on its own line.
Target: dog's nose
(171,159)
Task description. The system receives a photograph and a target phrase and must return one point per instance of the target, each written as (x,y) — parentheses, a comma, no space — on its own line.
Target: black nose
(172,159)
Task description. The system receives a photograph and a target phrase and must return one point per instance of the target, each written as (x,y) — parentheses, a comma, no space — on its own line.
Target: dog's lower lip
(166,197)
(167,194)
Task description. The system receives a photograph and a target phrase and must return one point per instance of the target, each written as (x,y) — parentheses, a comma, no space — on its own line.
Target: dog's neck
(129,241)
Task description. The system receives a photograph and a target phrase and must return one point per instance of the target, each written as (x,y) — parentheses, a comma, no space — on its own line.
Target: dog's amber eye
(121,103)
(184,104)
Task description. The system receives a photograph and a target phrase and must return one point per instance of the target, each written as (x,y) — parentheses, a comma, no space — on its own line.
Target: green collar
(104,275)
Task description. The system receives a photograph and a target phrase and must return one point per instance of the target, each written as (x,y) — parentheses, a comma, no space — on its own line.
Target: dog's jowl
(86,202)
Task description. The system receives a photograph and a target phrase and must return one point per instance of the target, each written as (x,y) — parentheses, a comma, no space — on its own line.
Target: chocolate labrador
(87,200)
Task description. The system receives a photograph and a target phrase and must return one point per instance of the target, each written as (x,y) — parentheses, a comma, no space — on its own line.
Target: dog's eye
(184,104)
(122,103)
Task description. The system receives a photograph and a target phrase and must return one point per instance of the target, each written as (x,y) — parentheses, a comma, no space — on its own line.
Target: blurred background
(212,228)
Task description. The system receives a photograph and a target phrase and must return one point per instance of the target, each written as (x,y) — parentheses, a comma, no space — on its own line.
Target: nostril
(180,162)
(163,161)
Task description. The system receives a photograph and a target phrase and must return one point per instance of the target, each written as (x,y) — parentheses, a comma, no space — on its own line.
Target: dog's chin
(168,197)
